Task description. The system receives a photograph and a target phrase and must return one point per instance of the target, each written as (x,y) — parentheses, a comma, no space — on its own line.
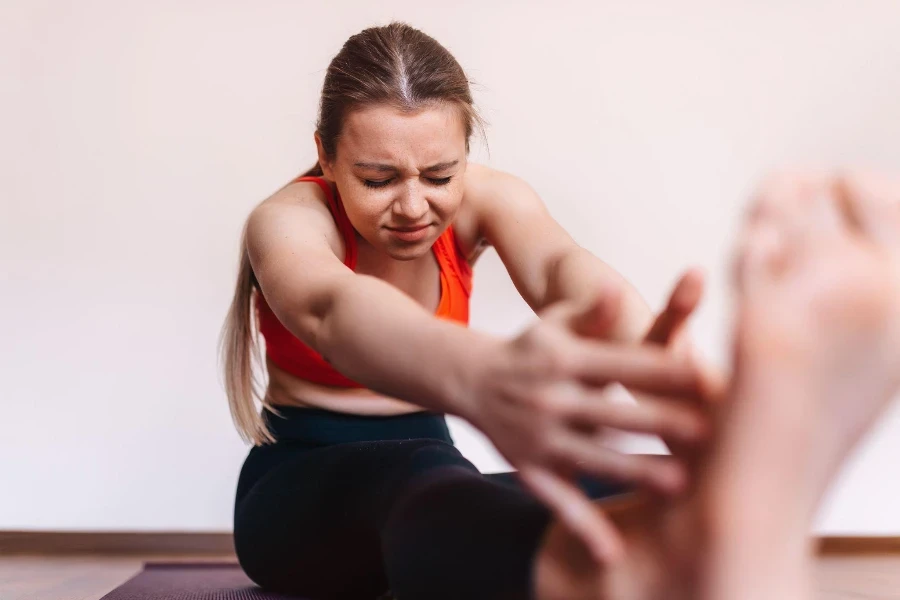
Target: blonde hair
(240,351)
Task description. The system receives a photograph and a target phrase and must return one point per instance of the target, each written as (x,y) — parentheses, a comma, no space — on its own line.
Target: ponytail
(240,352)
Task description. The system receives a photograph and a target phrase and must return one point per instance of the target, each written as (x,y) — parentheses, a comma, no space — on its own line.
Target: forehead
(384,133)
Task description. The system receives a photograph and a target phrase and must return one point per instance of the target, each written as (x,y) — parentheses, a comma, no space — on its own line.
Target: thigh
(594,488)
(457,534)
(312,524)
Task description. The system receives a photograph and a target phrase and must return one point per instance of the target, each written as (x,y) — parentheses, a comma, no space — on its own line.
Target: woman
(361,272)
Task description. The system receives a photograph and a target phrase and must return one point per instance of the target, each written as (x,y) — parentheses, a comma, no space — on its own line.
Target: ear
(324,162)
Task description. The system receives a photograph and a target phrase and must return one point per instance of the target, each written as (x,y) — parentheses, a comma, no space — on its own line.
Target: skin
(815,363)
(538,397)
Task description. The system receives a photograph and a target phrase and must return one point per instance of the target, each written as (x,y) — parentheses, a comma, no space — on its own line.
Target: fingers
(682,303)
(646,369)
(714,382)
(660,473)
(581,517)
(667,418)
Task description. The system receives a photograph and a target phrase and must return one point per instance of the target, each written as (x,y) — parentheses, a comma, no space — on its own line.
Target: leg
(818,334)
(593,488)
(352,520)
(815,364)
(456,534)
(304,519)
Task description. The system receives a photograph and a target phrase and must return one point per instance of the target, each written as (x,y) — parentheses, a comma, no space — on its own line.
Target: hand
(668,326)
(540,401)
(668,330)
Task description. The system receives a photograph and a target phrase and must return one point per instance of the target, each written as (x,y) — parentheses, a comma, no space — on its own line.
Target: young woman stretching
(359,275)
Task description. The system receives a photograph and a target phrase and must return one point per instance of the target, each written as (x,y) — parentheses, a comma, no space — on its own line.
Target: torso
(419,279)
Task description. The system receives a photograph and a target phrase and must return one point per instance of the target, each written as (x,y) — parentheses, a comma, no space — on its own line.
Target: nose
(410,205)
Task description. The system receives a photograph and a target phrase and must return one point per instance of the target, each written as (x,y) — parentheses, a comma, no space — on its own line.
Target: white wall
(137,136)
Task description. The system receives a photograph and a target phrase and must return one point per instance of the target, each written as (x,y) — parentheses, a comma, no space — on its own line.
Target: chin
(407,251)
(411,252)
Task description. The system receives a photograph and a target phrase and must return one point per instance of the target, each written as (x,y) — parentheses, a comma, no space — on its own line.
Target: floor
(90,577)
(859,578)
(87,577)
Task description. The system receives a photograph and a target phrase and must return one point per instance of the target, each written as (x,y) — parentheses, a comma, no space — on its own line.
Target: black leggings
(348,507)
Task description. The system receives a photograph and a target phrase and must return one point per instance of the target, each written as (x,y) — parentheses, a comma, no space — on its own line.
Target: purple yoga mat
(192,581)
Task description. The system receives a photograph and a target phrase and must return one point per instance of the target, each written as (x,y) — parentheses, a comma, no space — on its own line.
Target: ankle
(734,571)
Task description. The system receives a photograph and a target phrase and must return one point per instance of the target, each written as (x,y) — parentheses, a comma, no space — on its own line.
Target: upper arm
(513,218)
(294,248)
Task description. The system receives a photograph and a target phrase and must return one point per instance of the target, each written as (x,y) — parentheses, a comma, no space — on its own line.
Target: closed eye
(384,182)
(376,184)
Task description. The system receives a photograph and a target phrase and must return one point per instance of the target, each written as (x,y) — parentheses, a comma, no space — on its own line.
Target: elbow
(554,276)
(324,314)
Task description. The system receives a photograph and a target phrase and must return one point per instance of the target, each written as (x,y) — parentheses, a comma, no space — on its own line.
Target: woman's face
(400,175)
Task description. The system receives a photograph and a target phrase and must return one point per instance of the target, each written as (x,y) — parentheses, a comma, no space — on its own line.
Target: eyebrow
(383,168)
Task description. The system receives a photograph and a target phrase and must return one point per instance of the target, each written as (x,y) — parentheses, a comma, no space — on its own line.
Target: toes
(803,202)
(789,210)
(783,196)
(871,203)
(794,212)
(762,255)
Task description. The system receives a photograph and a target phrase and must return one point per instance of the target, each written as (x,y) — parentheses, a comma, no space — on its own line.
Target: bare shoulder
(483,181)
(299,211)
(490,196)
(490,190)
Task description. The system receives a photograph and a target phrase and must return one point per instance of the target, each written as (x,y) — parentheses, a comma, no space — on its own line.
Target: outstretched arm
(548,267)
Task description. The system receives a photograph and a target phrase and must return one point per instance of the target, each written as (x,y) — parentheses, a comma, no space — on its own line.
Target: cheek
(448,198)
(365,208)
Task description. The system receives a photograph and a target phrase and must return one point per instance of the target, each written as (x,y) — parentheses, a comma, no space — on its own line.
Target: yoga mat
(192,581)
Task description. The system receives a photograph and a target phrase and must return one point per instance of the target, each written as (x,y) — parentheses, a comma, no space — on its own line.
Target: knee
(431,456)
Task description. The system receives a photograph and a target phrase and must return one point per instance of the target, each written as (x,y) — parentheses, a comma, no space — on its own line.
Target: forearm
(580,276)
(379,337)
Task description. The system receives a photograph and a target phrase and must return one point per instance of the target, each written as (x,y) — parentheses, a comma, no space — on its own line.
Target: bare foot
(815,363)
(817,341)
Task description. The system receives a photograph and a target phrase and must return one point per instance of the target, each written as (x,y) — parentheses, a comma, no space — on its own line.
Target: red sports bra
(298,359)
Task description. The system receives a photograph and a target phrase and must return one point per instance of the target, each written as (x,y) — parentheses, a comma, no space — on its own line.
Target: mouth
(410,234)
(410,229)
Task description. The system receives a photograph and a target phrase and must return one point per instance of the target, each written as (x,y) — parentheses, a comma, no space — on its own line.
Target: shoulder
(491,196)
(490,193)
(297,209)
(484,184)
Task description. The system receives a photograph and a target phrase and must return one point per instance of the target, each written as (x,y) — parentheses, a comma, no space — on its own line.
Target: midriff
(287,390)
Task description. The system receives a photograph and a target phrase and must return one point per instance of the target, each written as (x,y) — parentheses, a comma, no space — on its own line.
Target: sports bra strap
(340,218)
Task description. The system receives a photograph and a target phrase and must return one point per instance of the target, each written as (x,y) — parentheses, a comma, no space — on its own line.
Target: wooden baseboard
(848,545)
(222,544)
(117,543)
